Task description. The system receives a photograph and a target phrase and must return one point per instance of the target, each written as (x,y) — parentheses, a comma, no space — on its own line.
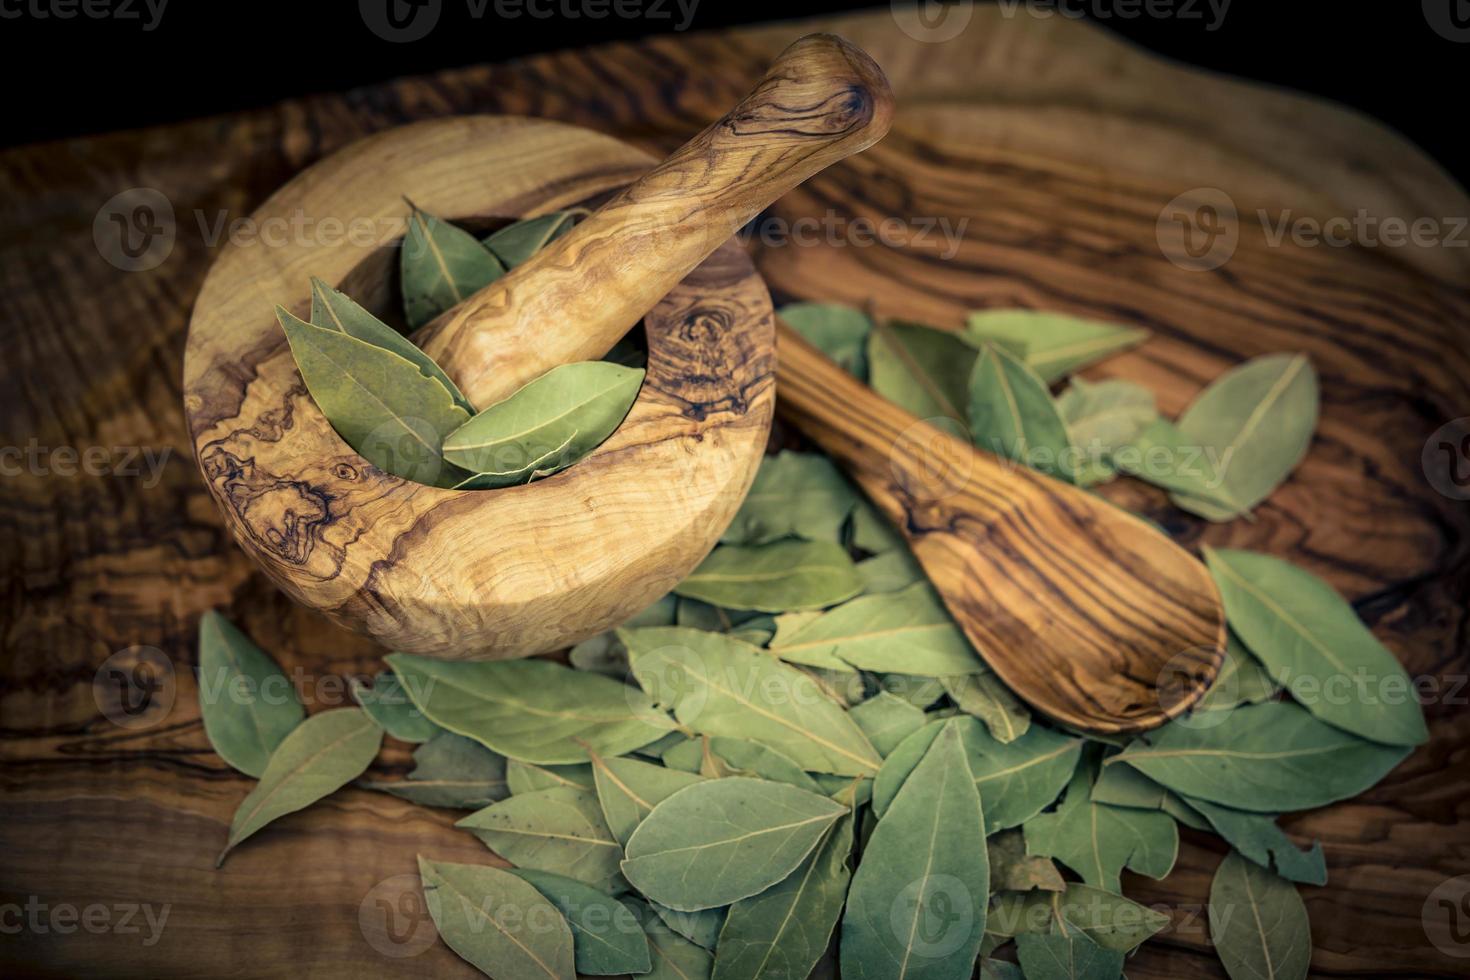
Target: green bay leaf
(840,332)
(515,243)
(923,370)
(1242,679)
(1256,837)
(1052,344)
(1012,869)
(1102,416)
(498,922)
(1108,919)
(800,495)
(755,759)
(1012,414)
(891,571)
(526,777)
(776,577)
(674,957)
(440,265)
(985,696)
(628,790)
(559,830)
(887,720)
(701,928)
(388,704)
(718,841)
(1053,956)
(247,704)
(605,933)
(532,710)
(1258,923)
(321,755)
(451,771)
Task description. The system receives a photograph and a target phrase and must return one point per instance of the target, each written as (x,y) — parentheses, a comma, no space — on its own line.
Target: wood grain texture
(463,574)
(1090,615)
(1056,144)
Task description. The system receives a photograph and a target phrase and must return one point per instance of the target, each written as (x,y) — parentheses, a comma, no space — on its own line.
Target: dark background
(69,77)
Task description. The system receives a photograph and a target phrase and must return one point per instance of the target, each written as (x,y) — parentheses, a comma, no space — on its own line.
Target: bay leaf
(320,756)
(1256,837)
(1165,457)
(567,411)
(760,760)
(840,332)
(532,710)
(917,904)
(687,756)
(559,830)
(999,970)
(887,720)
(674,957)
(776,577)
(605,653)
(1266,758)
(515,243)
(908,632)
(921,692)
(870,531)
(451,771)
(1257,420)
(922,370)
(526,777)
(440,265)
(985,696)
(1108,919)
(628,790)
(1258,923)
(606,935)
(1016,780)
(889,572)
(520,469)
(1012,869)
(388,704)
(246,703)
(800,495)
(1053,956)
(1098,841)
(1312,642)
(783,931)
(718,841)
(1127,787)
(497,922)
(1183,813)
(701,928)
(1012,414)
(335,310)
(1102,416)
(381,405)
(1053,344)
(718,685)
(1242,679)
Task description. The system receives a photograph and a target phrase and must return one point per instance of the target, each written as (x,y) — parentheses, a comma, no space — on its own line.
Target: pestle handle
(822,100)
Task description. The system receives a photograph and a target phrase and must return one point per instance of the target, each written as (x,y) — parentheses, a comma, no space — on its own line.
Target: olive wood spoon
(1085,611)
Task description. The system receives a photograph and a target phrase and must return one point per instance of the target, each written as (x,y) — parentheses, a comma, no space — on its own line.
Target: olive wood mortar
(522,570)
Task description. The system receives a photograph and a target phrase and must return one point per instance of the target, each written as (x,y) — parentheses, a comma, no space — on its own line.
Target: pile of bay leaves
(796,764)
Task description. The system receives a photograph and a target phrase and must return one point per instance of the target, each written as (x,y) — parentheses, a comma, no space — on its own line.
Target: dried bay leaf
(674,957)
(515,243)
(605,933)
(388,704)
(1242,680)
(721,686)
(1012,869)
(628,790)
(776,577)
(801,495)
(451,771)
(1258,923)
(499,923)
(247,704)
(1052,344)
(1312,641)
(922,370)
(532,710)
(917,904)
(526,777)
(1098,841)
(1108,919)
(887,720)
(701,928)
(840,332)
(334,310)
(1054,956)
(440,265)
(1266,758)
(559,830)
(871,532)
(889,572)
(755,759)
(1163,456)
(908,632)
(1256,837)
(783,931)
(717,841)
(1102,416)
(381,404)
(1257,420)
(321,755)
(985,696)
(921,692)
(566,412)
(1012,414)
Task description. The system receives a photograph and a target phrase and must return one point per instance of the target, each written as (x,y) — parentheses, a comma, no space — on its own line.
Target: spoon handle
(822,100)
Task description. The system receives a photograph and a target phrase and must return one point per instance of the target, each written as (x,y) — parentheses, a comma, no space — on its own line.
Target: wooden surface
(1059,147)
(1085,611)
(453,573)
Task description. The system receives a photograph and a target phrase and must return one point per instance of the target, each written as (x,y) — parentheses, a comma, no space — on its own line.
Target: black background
(82,75)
